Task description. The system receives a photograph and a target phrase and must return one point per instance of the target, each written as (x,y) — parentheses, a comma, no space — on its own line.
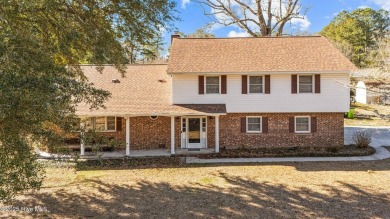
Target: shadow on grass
(242,199)
(177,162)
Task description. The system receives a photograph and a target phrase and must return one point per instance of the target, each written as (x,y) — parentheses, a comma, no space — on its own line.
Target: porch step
(193,149)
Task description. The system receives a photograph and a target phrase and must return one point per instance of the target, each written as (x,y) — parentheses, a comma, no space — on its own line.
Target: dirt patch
(350,150)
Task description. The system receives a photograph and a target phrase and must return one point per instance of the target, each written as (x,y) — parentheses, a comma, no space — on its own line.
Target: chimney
(176,34)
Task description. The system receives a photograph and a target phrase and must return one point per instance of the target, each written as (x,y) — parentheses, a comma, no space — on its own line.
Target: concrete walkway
(380,138)
(380,135)
(381,153)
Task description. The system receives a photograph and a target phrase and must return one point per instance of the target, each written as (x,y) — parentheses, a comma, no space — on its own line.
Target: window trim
(219,84)
(312,83)
(295,124)
(262,84)
(261,124)
(105,125)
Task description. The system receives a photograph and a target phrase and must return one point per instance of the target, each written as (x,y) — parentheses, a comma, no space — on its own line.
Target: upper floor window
(305,83)
(255,84)
(253,124)
(212,84)
(302,124)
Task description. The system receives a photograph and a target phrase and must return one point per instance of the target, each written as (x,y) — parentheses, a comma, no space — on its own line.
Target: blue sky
(320,13)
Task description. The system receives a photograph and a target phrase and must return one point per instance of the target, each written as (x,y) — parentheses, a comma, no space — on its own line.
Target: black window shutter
(291,124)
(201,84)
(317,85)
(264,124)
(244,84)
(267,84)
(223,84)
(294,83)
(313,124)
(119,123)
(243,124)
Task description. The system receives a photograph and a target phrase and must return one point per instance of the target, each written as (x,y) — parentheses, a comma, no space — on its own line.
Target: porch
(157,134)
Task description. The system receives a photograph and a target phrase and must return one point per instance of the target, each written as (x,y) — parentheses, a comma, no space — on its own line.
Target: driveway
(380,135)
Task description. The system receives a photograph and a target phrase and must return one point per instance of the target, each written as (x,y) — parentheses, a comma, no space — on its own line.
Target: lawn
(366,115)
(298,190)
(367,122)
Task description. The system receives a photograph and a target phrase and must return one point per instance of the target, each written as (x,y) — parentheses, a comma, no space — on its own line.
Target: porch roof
(145,90)
(172,110)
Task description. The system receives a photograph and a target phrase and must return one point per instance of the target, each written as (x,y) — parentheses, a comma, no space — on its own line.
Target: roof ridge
(261,37)
(141,64)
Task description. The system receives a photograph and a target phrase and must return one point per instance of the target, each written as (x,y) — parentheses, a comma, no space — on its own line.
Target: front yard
(285,190)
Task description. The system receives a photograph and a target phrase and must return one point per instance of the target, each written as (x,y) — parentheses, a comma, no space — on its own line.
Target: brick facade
(146,133)
(330,131)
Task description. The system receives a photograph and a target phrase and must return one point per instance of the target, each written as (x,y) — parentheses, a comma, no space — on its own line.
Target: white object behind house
(361,93)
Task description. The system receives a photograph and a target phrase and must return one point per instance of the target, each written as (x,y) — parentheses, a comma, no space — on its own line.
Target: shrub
(333,149)
(362,138)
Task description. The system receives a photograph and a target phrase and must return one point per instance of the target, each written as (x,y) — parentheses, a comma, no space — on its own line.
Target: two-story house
(228,93)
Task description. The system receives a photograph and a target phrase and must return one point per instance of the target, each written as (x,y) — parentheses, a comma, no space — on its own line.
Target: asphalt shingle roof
(263,54)
(144,90)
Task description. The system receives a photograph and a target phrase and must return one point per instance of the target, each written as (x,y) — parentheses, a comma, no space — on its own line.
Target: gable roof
(144,90)
(262,54)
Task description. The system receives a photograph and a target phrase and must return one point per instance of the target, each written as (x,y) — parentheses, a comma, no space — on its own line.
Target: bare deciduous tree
(257,17)
(383,56)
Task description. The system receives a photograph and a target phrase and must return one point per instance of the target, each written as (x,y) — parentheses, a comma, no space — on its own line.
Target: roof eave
(269,72)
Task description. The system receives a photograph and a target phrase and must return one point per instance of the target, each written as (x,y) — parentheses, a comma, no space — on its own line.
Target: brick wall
(153,134)
(330,131)
(146,133)
(156,134)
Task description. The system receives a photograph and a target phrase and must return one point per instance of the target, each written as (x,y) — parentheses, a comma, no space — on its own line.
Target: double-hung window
(305,83)
(253,124)
(255,84)
(110,123)
(101,123)
(212,84)
(302,124)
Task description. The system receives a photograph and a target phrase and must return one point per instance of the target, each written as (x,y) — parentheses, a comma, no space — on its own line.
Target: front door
(194,135)
(193,132)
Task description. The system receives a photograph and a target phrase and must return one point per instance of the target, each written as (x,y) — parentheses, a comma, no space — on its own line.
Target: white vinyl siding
(253,124)
(334,95)
(302,124)
(212,84)
(305,83)
(255,84)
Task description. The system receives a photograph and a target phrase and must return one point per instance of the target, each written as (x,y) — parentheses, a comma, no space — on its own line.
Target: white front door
(193,132)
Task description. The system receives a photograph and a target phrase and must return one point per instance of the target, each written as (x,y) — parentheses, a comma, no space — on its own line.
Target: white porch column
(172,135)
(217,134)
(82,148)
(127,136)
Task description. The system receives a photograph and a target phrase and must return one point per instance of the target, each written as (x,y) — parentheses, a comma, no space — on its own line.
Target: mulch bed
(177,161)
(126,163)
(346,151)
